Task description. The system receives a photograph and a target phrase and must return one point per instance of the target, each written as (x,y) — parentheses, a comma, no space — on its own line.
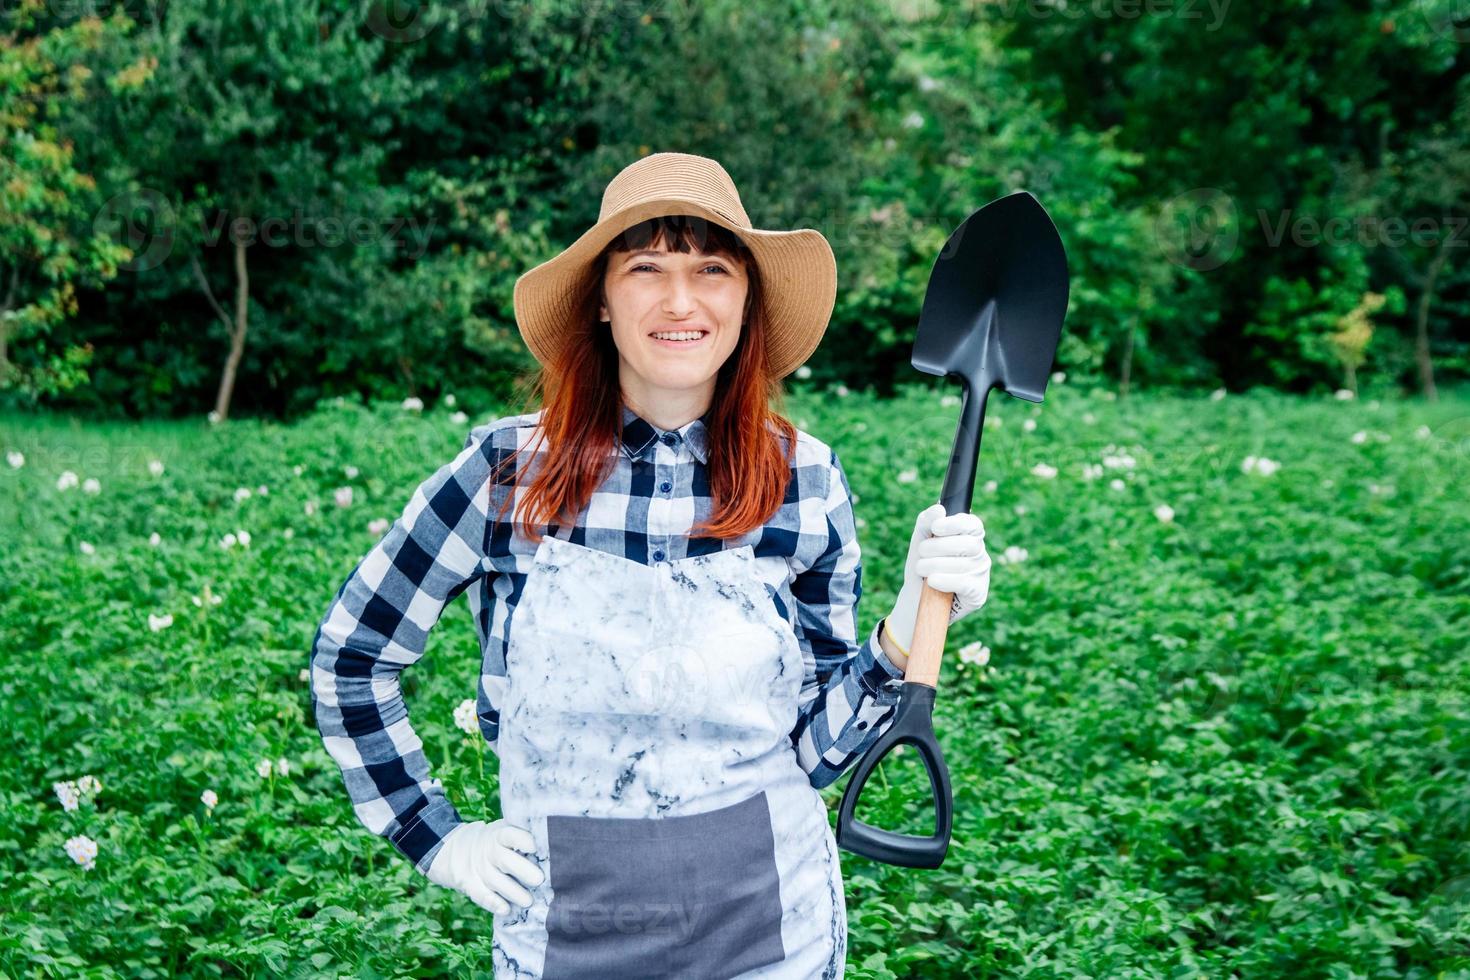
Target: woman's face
(653,293)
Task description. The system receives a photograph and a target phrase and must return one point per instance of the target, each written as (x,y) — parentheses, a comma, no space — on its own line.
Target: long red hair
(581,403)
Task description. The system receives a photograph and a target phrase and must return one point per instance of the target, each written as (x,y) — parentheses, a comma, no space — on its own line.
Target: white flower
(908,476)
(1164,513)
(67,792)
(343,496)
(16,459)
(241,493)
(1029,425)
(1122,461)
(88,548)
(949,401)
(1091,471)
(155,539)
(1117,484)
(262,490)
(289,533)
(993,422)
(91,485)
(990,486)
(263,768)
(228,541)
(378,525)
(89,785)
(464,717)
(83,850)
(304,675)
(1020,508)
(1013,554)
(66,480)
(1108,396)
(1089,419)
(1385,489)
(243,537)
(1343,394)
(841,391)
(209,798)
(1422,432)
(860,522)
(1044,471)
(1217,394)
(310,507)
(155,466)
(459,418)
(913,120)
(208,597)
(213,417)
(1057,377)
(450,400)
(1266,467)
(298,469)
(412,404)
(976,653)
(282,767)
(1359,437)
(157,623)
(351,472)
(927,84)
(803,372)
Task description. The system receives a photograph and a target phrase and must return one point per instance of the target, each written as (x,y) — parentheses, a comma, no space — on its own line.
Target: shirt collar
(639,436)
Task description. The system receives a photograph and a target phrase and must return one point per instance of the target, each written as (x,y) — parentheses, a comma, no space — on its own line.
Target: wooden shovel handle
(930,626)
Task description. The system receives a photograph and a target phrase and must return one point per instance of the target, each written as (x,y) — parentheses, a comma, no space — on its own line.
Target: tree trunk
(1127,367)
(4,328)
(237,328)
(1421,324)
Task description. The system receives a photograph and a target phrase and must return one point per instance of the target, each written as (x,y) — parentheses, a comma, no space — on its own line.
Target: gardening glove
(947,551)
(478,858)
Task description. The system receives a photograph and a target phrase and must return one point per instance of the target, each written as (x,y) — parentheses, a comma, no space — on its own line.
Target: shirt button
(670,438)
(666,486)
(658,555)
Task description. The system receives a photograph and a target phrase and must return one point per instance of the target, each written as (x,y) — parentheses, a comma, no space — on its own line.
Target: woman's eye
(717,268)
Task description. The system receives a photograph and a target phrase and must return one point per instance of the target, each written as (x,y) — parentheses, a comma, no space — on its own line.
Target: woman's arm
(377,624)
(850,689)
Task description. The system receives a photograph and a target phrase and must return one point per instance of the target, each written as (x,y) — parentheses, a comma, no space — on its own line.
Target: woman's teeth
(680,335)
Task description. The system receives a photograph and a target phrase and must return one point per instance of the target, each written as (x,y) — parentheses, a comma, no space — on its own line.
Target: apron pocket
(695,895)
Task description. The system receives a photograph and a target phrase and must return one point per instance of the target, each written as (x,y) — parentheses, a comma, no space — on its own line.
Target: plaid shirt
(445,543)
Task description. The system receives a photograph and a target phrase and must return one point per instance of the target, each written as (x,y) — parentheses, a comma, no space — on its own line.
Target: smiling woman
(664,572)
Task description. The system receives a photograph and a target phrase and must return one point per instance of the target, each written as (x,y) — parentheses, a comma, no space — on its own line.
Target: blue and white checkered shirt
(446,543)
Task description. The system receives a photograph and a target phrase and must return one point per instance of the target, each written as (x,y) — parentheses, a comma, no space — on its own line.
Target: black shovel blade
(992,317)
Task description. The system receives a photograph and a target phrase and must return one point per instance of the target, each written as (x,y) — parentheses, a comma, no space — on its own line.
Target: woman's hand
(948,552)
(479,859)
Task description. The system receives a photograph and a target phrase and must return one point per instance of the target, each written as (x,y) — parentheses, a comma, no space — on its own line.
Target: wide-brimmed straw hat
(797,269)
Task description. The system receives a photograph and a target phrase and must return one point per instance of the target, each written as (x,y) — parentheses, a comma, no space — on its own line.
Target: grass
(1235,742)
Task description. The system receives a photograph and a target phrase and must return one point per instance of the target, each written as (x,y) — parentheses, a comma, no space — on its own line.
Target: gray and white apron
(645,744)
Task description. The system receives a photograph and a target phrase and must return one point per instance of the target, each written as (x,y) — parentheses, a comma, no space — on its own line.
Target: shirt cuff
(880,677)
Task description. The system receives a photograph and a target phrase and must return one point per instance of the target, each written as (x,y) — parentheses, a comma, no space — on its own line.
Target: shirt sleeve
(377,624)
(849,691)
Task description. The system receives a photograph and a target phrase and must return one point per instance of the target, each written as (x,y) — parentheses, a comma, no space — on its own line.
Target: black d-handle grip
(913,723)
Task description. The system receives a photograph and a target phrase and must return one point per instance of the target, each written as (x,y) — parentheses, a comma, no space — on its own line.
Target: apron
(645,744)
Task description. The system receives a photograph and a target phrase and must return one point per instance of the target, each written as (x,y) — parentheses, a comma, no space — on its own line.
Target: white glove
(947,551)
(477,858)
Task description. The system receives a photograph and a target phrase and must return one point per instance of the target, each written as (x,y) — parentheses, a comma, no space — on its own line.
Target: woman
(671,668)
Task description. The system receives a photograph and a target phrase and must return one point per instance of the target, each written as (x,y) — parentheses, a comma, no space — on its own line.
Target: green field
(1235,741)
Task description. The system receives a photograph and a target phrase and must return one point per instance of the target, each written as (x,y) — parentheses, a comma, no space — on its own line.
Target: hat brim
(798,280)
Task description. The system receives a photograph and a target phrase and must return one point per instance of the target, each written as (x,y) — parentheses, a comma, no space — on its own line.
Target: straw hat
(797,269)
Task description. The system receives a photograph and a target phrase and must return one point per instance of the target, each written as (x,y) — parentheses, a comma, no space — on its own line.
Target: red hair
(581,403)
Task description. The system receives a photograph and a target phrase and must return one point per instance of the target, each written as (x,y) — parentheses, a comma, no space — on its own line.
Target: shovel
(992,316)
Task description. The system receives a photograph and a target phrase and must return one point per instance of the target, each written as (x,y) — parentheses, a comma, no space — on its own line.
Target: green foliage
(1232,743)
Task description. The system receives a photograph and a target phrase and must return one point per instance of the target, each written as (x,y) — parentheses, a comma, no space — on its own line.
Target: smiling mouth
(679,338)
